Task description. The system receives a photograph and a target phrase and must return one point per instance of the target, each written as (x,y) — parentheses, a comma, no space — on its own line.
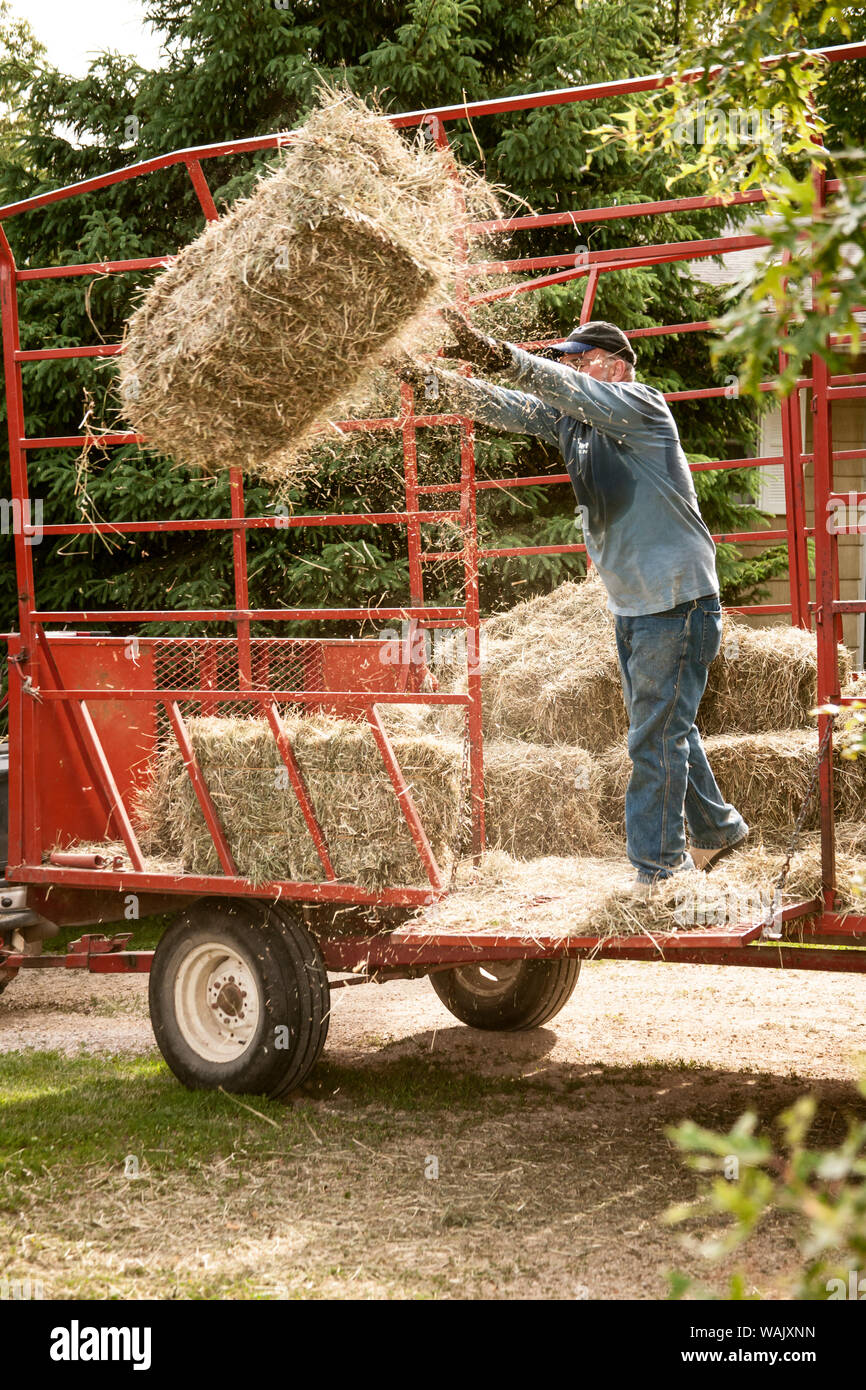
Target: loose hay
(503,895)
(271,318)
(353,797)
(761,863)
(558,897)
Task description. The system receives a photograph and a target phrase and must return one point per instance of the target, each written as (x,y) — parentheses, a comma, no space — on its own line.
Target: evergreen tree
(241,68)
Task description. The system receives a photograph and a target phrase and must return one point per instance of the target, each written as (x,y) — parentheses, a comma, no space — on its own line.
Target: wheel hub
(226,998)
(217,1003)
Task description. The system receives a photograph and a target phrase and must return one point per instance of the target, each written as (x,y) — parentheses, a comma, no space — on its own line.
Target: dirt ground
(555,1191)
(730,1020)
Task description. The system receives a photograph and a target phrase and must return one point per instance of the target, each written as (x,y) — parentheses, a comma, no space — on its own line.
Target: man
(644,532)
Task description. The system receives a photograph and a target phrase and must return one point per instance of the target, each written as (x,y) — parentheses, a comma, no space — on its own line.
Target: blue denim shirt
(641,522)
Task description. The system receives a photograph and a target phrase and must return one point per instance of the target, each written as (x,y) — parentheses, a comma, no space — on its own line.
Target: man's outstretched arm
(621,409)
(515,411)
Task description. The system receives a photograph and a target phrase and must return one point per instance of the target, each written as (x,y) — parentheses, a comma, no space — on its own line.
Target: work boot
(706,859)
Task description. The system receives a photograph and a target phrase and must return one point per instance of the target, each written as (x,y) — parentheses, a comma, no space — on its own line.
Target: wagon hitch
(95,945)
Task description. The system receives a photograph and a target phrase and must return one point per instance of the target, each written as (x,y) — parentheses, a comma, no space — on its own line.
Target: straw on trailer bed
(762,864)
(594,896)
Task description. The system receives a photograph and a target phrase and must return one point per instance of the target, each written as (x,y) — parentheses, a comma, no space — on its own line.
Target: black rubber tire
(311,979)
(285,968)
(530,992)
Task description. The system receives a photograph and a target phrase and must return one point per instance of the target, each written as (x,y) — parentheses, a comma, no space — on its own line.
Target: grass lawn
(411,1179)
(119,1183)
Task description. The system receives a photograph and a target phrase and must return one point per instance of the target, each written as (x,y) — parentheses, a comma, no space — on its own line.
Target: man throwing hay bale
(644,533)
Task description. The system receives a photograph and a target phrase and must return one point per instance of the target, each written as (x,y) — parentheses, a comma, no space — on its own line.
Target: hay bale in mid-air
(351,792)
(272,317)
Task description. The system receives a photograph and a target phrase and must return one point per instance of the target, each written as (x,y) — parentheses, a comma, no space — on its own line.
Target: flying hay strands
(271,319)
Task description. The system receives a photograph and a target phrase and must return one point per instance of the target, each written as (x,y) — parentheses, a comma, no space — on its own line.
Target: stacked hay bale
(550,680)
(541,800)
(351,793)
(555,759)
(766,776)
(550,673)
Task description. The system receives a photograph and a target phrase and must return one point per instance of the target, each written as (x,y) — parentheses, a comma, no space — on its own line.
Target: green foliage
(754,1174)
(759,124)
(241,68)
(814,283)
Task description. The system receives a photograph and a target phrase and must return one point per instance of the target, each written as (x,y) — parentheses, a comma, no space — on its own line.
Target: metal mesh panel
(211,663)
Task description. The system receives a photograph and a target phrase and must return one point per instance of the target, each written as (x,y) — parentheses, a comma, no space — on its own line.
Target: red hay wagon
(239,984)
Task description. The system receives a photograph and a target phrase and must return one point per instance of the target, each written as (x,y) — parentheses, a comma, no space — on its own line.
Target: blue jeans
(664,660)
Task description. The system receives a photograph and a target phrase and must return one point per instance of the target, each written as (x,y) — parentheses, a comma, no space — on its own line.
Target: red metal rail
(38,683)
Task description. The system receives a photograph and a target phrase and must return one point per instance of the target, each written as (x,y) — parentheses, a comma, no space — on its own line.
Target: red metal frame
(36,657)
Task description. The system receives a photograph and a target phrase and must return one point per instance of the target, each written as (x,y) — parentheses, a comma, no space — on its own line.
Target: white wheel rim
(217,1002)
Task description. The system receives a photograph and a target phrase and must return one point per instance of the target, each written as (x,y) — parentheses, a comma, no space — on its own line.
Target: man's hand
(488,353)
(408,370)
(418,377)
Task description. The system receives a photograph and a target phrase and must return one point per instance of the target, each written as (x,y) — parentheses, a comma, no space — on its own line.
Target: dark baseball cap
(599,334)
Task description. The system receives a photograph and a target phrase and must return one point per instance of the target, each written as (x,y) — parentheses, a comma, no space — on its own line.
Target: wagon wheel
(508,996)
(239,997)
